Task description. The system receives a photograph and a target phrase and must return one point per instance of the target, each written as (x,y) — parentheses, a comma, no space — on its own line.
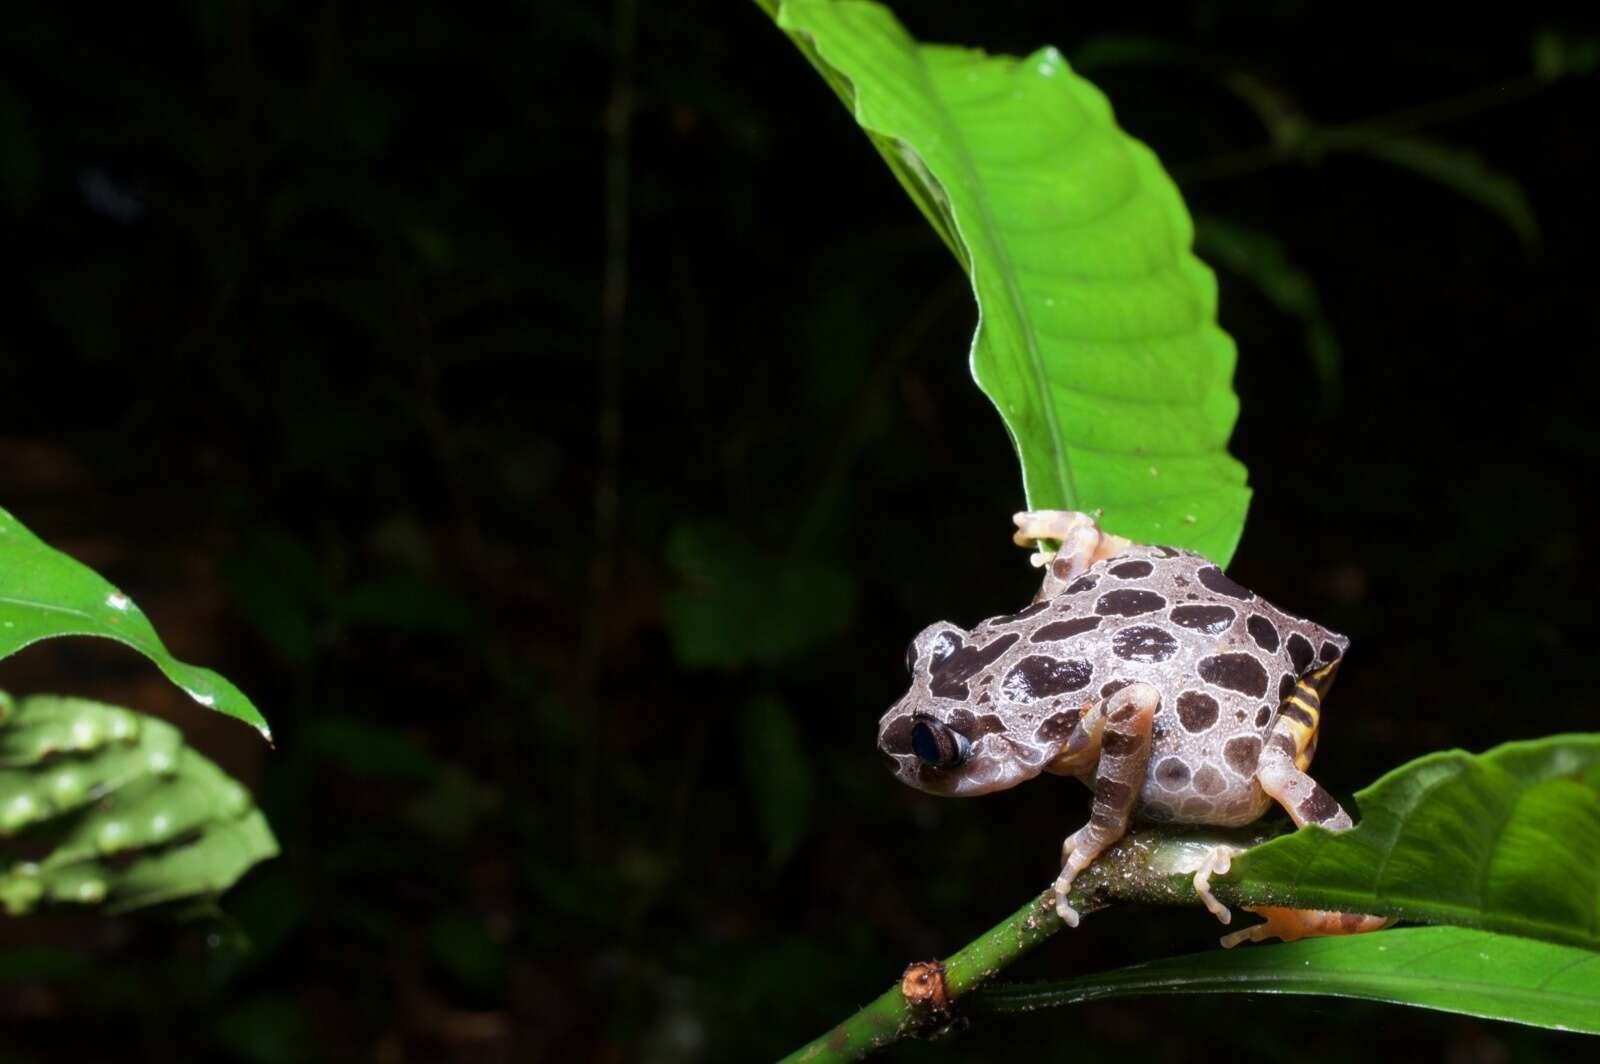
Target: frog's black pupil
(934,744)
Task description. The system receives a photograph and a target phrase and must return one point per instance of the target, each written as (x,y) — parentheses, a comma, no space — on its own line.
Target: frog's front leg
(1082,544)
(1119,773)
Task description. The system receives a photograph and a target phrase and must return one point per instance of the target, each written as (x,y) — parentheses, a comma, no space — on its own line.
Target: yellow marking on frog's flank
(1301,725)
(1322,679)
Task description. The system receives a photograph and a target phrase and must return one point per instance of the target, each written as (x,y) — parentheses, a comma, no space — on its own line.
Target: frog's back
(1223,658)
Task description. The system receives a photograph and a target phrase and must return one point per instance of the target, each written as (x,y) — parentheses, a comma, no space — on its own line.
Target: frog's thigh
(1082,544)
(1301,796)
(1120,772)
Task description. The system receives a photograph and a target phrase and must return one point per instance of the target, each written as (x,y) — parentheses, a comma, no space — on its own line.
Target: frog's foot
(1216,862)
(1073,861)
(1082,544)
(1292,924)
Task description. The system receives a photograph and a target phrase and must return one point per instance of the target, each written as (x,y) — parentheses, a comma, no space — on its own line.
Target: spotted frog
(1146,672)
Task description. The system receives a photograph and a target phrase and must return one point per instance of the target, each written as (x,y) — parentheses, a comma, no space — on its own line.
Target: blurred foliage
(1260,259)
(334,277)
(103,806)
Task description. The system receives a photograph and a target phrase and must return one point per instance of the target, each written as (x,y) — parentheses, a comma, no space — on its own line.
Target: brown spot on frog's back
(1113,687)
(1236,672)
(1196,711)
(1300,652)
(1037,676)
(1263,715)
(1059,630)
(1329,652)
(1209,782)
(1264,632)
(1143,643)
(1128,602)
(1134,570)
(1242,753)
(1211,620)
(1216,580)
(949,678)
(1172,773)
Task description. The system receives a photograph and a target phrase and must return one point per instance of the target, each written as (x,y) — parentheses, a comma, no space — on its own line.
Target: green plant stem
(1152,866)
(889,1018)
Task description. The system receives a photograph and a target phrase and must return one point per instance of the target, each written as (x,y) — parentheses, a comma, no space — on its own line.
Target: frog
(1175,693)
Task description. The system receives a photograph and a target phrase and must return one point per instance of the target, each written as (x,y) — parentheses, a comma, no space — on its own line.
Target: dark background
(305,349)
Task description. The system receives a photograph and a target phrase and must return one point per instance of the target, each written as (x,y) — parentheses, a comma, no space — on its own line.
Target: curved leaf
(1455,168)
(1453,969)
(45,594)
(1097,338)
(110,807)
(1508,840)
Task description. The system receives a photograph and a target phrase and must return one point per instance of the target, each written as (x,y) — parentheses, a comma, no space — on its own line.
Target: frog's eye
(911,656)
(937,744)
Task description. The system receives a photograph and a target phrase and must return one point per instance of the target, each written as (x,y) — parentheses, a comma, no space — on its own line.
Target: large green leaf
(109,807)
(1453,969)
(1508,840)
(45,594)
(1097,337)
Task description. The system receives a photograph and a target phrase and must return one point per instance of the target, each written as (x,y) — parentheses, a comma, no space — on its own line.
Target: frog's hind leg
(1281,773)
(1292,924)
(1281,770)
(1119,773)
(1082,544)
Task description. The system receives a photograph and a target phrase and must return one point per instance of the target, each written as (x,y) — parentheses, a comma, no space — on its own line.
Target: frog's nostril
(937,745)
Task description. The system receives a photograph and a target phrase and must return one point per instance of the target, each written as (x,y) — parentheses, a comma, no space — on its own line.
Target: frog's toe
(1291,924)
(1216,862)
(1047,524)
(1063,887)
(1068,914)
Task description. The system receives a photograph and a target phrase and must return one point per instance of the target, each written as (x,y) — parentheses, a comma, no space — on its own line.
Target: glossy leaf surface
(44,594)
(1453,969)
(109,807)
(1508,840)
(1097,338)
